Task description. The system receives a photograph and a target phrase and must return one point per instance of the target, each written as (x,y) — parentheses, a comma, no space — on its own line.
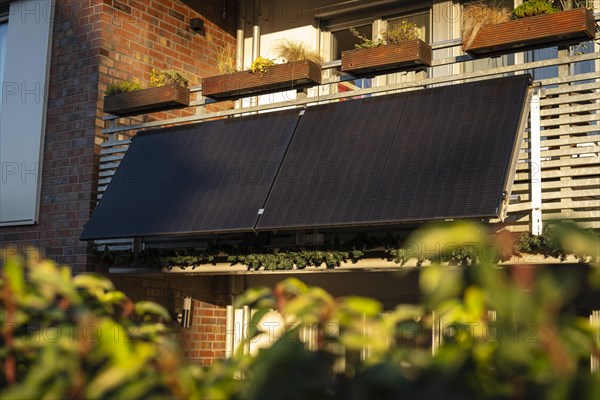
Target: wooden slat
(578,119)
(521,176)
(113,143)
(569,99)
(570,130)
(106,159)
(572,88)
(572,183)
(111,165)
(573,140)
(569,109)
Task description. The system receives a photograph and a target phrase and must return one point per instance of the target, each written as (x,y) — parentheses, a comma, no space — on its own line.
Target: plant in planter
(397,48)
(261,65)
(488,31)
(168,90)
(292,51)
(265,76)
(226,60)
(122,87)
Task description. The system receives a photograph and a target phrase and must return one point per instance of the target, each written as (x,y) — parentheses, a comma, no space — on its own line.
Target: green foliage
(396,34)
(77,337)
(532,8)
(365,43)
(160,258)
(532,350)
(261,65)
(559,240)
(298,259)
(167,77)
(401,32)
(460,251)
(122,87)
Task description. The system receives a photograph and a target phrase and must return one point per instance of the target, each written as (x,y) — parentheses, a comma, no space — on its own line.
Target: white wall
(23,110)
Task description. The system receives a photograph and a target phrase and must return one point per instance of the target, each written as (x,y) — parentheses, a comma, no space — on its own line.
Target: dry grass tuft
(479,14)
(291,50)
(226,60)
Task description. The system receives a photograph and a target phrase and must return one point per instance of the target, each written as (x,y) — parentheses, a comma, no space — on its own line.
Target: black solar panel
(201,178)
(334,164)
(430,154)
(452,151)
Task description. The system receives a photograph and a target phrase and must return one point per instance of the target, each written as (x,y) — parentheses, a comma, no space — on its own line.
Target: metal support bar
(229,331)
(245,328)
(535,164)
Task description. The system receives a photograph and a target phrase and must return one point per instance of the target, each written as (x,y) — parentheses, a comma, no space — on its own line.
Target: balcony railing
(568,171)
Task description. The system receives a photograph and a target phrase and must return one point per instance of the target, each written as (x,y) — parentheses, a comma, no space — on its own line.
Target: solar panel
(334,164)
(429,154)
(422,155)
(452,152)
(200,178)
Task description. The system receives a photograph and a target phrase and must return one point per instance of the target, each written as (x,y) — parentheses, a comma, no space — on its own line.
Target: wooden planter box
(561,28)
(294,75)
(406,55)
(147,100)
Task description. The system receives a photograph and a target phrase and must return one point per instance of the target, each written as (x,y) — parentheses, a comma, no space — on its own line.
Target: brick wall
(204,341)
(96,42)
(137,36)
(69,161)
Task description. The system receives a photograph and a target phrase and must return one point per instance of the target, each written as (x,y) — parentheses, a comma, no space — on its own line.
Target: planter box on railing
(293,75)
(561,28)
(412,54)
(147,100)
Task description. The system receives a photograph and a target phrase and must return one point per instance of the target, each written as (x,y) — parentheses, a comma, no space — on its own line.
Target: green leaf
(13,269)
(92,281)
(151,308)
(256,298)
(362,305)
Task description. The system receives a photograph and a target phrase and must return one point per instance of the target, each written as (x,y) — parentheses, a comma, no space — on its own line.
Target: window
(343,40)
(24,68)
(421,19)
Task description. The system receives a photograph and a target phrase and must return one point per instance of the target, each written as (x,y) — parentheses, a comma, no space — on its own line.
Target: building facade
(60,149)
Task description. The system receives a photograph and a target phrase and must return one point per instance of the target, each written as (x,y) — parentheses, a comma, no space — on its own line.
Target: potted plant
(167,90)
(488,31)
(397,48)
(301,68)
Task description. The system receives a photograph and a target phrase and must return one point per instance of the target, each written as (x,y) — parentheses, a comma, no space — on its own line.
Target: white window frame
(23,112)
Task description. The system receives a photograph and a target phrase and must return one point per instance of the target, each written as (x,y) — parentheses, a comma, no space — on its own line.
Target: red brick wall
(96,42)
(137,36)
(204,341)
